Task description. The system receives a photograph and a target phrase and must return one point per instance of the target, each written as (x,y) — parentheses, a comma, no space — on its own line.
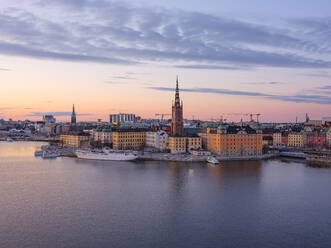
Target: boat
(47,155)
(213,160)
(38,153)
(106,154)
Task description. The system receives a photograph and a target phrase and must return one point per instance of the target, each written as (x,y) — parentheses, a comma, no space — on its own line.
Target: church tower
(73,115)
(177,124)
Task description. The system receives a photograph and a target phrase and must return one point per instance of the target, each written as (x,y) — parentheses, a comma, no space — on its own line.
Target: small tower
(73,115)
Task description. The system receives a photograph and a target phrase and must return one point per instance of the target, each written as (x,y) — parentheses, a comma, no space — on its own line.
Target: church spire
(73,115)
(177,99)
(177,124)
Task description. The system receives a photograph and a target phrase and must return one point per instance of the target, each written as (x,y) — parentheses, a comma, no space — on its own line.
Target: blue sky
(240,56)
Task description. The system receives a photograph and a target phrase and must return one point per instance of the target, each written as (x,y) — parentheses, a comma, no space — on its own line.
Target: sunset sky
(256,56)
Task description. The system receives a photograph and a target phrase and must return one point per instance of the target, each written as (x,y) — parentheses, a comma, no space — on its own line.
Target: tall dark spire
(177,99)
(73,115)
(177,126)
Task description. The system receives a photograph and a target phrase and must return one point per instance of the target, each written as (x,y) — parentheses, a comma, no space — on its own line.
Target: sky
(257,56)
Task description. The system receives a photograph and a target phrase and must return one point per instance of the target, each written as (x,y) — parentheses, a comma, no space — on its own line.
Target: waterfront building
(204,139)
(102,136)
(297,139)
(193,143)
(328,137)
(73,115)
(157,140)
(277,139)
(177,144)
(122,118)
(285,139)
(129,138)
(76,140)
(316,139)
(235,141)
(267,141)
(177,124)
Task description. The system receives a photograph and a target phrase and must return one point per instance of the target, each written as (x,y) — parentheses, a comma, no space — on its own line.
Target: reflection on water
(70,202)
(18,149)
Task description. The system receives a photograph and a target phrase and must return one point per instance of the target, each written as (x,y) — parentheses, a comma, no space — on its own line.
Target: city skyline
(109,57)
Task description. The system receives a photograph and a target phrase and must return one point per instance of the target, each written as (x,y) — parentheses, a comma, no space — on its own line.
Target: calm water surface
(73,203)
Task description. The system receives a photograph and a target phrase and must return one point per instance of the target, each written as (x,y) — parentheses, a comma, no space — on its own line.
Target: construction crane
(162,115)
(245,114)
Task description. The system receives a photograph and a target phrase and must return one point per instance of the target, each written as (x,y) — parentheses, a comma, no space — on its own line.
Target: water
(72,203)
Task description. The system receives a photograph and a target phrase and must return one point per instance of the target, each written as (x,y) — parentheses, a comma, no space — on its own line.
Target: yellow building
(75,140)
(235,141)
(129,139)
(177,144)
(193,143)
(296,139)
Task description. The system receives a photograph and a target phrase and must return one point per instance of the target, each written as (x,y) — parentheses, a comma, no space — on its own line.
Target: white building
(157,140)
(103,136)
(277,139)
(120,118)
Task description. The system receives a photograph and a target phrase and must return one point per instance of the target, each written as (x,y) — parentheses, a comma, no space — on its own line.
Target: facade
(129,139)
(102,136)
(285,139)
(73,115)
(177,144)
(316,139)
(328,137)
(157,140)
(75,140)
(204,139)
(193,143)
(267,141)
(48,129)
(122,118)
(234,141)
(177,123)
(277,139)
(296,139)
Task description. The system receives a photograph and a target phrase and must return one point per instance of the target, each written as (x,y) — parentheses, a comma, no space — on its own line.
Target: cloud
(124,77)
(113,82)
(209,67)
(38,114)
(123,33)
(4,69)
(299,98)
(327,87)
(321,74)
(25,51)
(263,83)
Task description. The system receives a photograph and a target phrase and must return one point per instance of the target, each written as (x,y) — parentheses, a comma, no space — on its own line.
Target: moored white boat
(106,155)
(213,160)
